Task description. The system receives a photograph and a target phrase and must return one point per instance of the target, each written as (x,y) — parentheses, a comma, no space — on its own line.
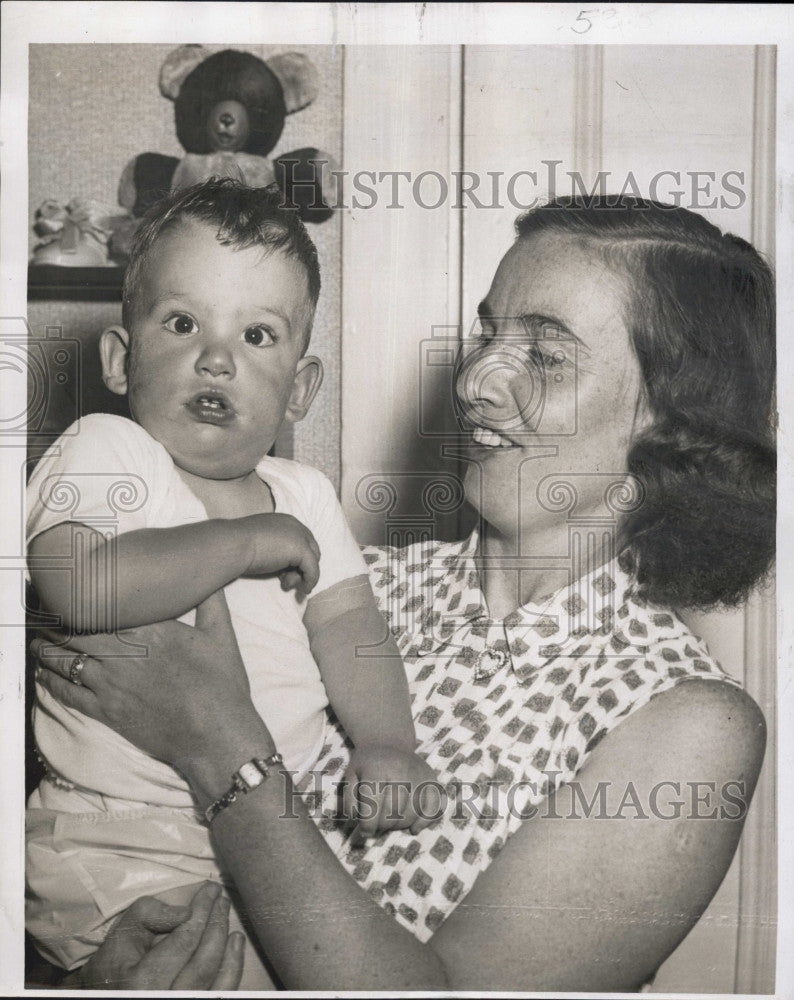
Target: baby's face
(216,345)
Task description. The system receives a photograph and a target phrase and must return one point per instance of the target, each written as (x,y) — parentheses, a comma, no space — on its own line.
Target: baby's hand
(281,544)
(390,789)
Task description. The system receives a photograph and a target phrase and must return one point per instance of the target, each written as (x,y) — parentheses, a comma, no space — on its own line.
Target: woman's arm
(571,903)
(599,903)
(153,574)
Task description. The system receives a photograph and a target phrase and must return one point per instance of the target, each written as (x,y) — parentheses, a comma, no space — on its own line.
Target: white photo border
(25,23)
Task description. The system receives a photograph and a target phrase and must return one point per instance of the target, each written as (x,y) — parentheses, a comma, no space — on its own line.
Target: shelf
(74,284)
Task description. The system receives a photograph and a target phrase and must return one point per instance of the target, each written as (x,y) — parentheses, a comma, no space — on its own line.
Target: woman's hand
(178,692)
(155,946)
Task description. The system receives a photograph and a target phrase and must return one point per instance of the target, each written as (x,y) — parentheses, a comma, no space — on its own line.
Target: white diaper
(89,857)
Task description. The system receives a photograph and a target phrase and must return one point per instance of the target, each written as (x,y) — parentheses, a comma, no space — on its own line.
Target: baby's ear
(114,347)
(308,380)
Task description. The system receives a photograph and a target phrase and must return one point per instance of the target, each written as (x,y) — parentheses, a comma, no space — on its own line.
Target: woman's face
(550,386)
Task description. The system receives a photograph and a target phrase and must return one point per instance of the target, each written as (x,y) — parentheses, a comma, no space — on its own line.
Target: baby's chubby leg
(255,973)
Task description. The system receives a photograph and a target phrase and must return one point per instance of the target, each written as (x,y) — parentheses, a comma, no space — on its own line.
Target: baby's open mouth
(211,406)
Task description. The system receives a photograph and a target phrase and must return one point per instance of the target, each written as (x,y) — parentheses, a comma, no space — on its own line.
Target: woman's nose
(227,119)
(500,385)
(482,381)
(216,360)
(488,380)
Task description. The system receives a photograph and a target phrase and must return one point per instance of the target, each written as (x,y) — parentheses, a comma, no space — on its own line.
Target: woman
(622,465)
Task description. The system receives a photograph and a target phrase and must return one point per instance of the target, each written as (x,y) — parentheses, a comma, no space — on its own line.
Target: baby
(164,510)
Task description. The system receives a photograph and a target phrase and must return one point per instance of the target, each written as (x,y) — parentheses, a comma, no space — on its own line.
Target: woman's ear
(114,349)
(308,379)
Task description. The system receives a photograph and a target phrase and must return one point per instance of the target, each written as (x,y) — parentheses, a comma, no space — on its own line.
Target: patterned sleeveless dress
(506,711)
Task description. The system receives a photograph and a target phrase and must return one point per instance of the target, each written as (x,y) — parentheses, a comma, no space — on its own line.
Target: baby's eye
(181,324)
(259,336)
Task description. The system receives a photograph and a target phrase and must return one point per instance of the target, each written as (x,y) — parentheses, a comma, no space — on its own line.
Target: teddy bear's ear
(298,78)
(177,66)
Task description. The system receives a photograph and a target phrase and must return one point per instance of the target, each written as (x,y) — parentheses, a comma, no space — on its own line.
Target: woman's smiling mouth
(490,439)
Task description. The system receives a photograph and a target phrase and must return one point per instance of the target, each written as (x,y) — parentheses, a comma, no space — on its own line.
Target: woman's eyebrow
(535,323)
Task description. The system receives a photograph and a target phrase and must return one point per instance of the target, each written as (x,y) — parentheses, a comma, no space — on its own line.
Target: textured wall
(93,107)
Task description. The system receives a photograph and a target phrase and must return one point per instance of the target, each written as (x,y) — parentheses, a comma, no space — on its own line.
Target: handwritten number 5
(582,16)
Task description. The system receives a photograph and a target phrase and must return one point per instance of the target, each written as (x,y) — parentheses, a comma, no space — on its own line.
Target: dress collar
(593,610)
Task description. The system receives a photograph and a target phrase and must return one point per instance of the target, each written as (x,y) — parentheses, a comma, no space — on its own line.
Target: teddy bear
(229,109)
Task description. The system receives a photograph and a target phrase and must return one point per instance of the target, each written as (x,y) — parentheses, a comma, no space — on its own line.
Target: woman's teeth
(490,438)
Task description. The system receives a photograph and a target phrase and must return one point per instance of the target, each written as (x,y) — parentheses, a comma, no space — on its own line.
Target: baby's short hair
(244,217)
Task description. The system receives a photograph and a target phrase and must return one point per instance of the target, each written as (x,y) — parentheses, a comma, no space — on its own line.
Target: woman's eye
(181,324)
(555,359)
(547,356)
(259,336)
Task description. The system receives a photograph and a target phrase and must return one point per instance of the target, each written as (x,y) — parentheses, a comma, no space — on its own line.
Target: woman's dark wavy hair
(701,316)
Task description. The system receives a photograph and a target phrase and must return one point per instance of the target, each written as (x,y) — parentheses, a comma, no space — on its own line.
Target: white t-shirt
(106,472)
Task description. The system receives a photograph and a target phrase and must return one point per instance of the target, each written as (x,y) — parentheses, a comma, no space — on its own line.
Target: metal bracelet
(247,776)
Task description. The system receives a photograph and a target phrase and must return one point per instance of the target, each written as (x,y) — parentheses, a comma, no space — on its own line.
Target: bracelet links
(250,775)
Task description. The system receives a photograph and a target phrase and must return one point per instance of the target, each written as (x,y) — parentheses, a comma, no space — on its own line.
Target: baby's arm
(367,688)
(153,574)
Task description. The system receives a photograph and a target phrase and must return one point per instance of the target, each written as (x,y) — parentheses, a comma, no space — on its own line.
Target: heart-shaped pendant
(488,662)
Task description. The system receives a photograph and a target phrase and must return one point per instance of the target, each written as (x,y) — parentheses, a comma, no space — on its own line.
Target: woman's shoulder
(638,657)
(720,714)
(652,661)
(707,739)
(662,637)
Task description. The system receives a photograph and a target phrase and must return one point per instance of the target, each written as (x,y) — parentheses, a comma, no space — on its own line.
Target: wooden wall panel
(683,109)
(519,112)
(755,956)
(400,279)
